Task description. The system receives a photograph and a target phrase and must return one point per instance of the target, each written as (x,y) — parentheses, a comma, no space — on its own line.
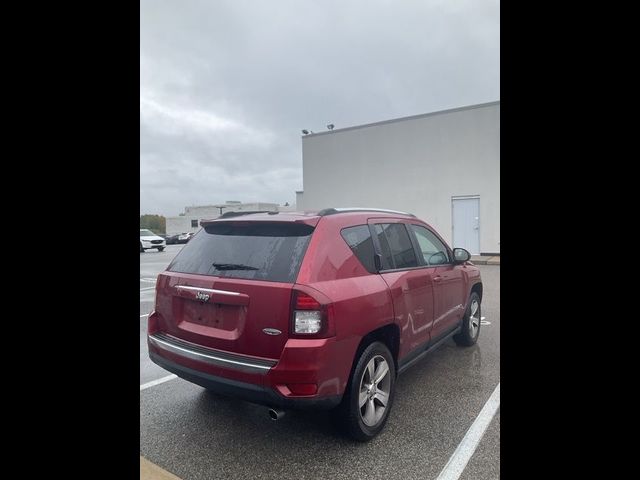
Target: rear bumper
(209,356)
(242,390)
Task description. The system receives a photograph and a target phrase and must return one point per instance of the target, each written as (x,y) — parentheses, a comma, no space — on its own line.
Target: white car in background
(149,240)
(185,237)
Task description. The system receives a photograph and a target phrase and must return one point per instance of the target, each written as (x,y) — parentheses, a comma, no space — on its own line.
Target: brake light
(306,302)
(310,317)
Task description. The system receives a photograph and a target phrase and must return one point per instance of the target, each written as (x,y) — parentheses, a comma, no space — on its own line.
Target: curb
(485,260)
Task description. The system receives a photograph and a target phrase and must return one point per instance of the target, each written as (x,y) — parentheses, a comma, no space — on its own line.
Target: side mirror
(460,255)
(438,258)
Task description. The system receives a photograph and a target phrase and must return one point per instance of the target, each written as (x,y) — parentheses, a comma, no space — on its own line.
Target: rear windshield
(259,251)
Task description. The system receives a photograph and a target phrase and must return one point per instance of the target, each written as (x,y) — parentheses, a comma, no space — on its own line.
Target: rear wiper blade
(233,266)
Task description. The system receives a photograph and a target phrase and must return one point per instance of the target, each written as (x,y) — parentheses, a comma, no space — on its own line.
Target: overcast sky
(226,86)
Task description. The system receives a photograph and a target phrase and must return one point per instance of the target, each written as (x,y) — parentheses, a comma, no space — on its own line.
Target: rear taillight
(306,302)
(310,317)
(152,323)
(306,321)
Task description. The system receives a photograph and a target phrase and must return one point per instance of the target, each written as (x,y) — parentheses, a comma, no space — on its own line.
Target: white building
(444,167)
(190,220)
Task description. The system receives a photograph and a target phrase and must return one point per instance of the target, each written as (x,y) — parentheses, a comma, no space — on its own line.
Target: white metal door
(466,224)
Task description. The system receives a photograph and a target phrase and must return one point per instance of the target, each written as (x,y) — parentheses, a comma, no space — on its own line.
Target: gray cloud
(226,86)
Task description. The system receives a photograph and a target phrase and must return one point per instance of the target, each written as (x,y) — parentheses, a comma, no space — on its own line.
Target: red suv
(312,310)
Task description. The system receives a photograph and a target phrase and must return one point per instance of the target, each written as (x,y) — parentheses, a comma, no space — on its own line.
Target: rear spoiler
(249,212)
(313,221)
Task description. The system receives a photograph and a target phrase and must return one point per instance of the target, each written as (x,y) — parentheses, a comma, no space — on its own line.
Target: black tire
(160,249)
(466,338)
(141,248)
(349,412)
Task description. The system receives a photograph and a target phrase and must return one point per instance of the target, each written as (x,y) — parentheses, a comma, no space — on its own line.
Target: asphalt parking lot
(197,435)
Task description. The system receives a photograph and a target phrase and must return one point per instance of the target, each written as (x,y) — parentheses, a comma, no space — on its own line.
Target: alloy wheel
(375,388)
(474,318)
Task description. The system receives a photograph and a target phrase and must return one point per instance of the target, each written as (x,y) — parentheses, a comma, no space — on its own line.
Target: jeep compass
(312,310)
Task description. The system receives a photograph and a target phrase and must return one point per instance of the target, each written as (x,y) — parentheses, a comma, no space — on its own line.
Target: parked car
(184,237)
(172,239)
(149,240)
(313,310)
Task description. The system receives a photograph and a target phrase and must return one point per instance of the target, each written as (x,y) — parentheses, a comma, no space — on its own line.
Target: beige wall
(416,165)
(182,223)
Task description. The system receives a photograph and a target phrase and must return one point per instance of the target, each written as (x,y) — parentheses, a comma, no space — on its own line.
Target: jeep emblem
(204,297)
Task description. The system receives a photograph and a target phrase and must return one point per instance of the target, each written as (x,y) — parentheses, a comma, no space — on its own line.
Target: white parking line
(144,386)
(147,288)
(458,461)
(145,315)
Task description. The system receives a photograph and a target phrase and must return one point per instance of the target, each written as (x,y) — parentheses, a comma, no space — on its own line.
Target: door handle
(437,278)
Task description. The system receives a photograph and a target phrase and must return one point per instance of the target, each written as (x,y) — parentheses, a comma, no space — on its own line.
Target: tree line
(155,223)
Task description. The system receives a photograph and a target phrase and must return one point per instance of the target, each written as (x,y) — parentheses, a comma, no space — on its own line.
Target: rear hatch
(232,281)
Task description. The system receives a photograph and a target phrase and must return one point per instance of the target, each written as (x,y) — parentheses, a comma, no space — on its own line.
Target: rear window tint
(259,251)
(402,252)
(359,240)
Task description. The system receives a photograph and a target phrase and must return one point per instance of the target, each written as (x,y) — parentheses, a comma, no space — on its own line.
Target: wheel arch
(477,288)
(388,334)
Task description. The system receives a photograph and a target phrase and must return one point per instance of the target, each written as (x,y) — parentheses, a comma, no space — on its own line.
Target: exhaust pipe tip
(276,414)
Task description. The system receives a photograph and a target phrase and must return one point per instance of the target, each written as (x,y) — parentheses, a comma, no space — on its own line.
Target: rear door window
(396,246)
(252,250)
(359,240)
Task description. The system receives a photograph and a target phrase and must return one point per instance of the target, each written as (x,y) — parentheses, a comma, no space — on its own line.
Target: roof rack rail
(248,212)
(333,211)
